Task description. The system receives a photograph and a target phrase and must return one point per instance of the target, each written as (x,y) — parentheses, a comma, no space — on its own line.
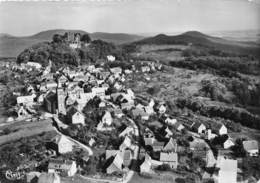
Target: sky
(129,16)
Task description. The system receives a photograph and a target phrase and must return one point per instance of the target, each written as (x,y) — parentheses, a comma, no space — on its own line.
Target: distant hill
(199,39)
(11,46)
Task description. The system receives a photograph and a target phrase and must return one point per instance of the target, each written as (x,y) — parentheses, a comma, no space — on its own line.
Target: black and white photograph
(129,91)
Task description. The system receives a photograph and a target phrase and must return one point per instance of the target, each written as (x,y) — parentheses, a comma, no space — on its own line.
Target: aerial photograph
(130,91)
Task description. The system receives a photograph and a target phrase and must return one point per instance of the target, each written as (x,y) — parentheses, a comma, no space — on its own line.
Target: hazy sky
(130,16)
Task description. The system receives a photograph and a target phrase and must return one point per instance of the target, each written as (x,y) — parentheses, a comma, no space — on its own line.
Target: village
(106,133)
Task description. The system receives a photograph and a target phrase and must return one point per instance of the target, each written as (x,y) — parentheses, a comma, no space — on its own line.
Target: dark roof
(72,110)
(51,96)
(197,125)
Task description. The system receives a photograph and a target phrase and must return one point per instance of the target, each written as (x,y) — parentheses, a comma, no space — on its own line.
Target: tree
(238,148)
(57,38)
(85,38)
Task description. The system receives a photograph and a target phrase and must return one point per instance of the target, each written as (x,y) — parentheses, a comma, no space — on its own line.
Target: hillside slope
(203,40)
(11,46)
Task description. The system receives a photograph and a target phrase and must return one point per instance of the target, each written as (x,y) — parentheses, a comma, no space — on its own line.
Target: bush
(163,167)
(179,180)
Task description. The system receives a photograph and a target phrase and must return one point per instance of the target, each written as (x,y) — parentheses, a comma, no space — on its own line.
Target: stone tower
(61,96)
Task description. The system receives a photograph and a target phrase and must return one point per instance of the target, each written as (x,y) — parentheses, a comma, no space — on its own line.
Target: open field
(25,129)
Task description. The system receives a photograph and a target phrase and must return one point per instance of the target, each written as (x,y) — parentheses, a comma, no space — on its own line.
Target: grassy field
(25,129)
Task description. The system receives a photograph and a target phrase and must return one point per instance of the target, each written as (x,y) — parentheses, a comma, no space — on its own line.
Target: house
(34,64)
(127,71)
(162,109)
(62,144)
(210,159)
(127,105)
(127,143)
(111,153)
(130,93)
(168,132)
(251,147)
(149,110)
(199,128)
(149,141)
(116,165)
(118,113)
(116,70)
(99,91)
(170,159)
(26,100)
(50,102)
(219,128)
(22,112)
(157,146)
(65,168)
(170,121)
(151,103)
(140,112)
(171,145)
(111,58)
(48,178)
(127,157)
(209,135)
(228,143)
(91,142)
(107,118)
(62,80)
(227,170)
(146,166)
(127,131)
(75,116)
(178,126)
(51,85)
(118,86)
(145,69)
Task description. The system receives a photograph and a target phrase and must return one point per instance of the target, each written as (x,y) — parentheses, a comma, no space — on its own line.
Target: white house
(146,165)
(127,131)
(171,145)
(162,109)
(178,126)
(127,143)
(116,165)
(228,143)
(61,166)
(170,121)
(151,103)
(26,100)
(199,128)
(227,170)
(34,64)
(111,58)
(168,132)
(107,118)
(251,147)
(149,110)
(75,116)
(64,145)
(170,159)
(99,91)
(116,70)
(219,129)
